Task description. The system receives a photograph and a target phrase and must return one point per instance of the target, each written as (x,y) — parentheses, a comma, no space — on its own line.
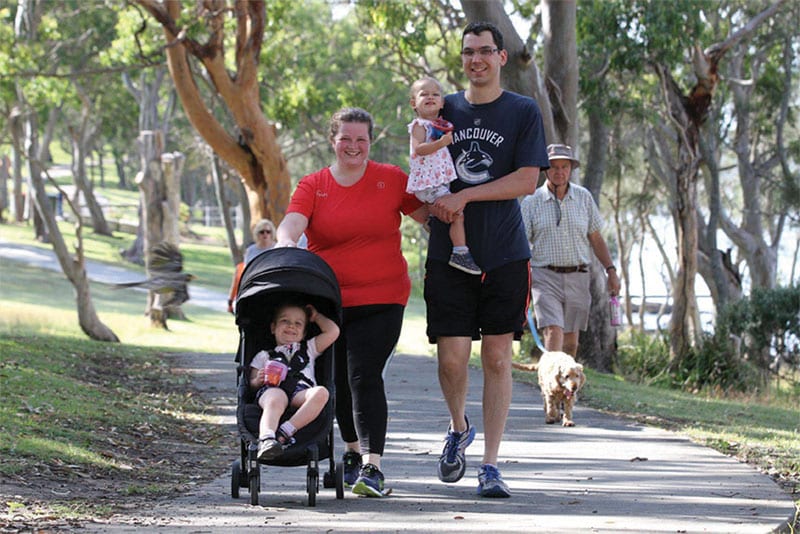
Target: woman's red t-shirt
(356,230)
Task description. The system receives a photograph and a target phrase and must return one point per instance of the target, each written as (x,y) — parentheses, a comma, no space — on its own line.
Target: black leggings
(369,335)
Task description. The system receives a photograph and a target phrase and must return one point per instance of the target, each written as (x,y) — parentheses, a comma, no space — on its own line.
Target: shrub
(714,364)
(768,326)
(642,357)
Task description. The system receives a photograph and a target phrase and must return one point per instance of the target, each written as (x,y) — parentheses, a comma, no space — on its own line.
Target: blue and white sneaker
(491,484)
(463,261)
(370,482)
(352,467)
(452,463)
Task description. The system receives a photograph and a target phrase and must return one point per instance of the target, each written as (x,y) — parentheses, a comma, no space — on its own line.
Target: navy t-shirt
(490,141)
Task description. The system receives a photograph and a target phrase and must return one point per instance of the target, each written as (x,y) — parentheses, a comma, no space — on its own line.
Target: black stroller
(267,280)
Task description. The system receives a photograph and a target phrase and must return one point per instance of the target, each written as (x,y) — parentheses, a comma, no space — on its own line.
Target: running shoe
(370,482)
(464,262)
(491,484)
(452,463)
(352,467)
(268,449)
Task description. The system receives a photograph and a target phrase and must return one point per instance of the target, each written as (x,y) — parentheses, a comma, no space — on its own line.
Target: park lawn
(203,255)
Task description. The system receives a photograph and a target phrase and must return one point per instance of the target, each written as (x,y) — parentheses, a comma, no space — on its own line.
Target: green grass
(80,410)
(203,257)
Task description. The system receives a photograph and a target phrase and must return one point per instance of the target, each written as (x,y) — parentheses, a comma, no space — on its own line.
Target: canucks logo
(473,165)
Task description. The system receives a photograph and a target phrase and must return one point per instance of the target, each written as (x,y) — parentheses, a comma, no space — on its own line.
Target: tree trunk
(172,169)
(147,96)
(34,173)
(73,266)
(253,151)
(561,68)
(82,186)
(594,168)
(5,175)
(25,27)
(53,115)
(119,164)
(224,208)
(18,199)
(684,320)
(687,113)
(598,343)
(761,255)
(520,73)
(152,195)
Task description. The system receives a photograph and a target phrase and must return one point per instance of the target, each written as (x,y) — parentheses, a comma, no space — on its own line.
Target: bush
(714,364)
(642,357)
(767,325)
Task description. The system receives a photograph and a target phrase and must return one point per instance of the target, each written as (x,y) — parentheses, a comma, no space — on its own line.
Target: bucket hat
(557,151)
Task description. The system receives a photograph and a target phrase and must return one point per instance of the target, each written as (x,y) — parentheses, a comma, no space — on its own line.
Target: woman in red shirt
(351,213)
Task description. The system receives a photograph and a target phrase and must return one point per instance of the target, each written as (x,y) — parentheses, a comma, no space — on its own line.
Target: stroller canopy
(282,271)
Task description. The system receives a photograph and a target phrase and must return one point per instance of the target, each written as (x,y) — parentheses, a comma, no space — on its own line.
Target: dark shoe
(452,463)
(268,449)
(491,484)
(370,482)
(352,467)
(283,439)
(464,262)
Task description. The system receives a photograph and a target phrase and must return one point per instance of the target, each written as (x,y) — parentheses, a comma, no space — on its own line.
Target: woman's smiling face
(352,144)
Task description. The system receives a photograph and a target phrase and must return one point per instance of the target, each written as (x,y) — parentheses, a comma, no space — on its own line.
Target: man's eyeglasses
(268,232)
(484,51)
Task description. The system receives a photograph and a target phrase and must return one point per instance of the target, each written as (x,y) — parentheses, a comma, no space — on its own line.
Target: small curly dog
(560,378)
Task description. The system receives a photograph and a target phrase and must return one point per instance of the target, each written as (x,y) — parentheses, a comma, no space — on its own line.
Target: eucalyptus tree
(145,80)
(686,112)
(314,64)
(225,39)
(761,82)
(33,29)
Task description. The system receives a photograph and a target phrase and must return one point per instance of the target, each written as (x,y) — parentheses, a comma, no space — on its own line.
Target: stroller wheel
(236,479)
(312,484)
(255,486)
(339,480)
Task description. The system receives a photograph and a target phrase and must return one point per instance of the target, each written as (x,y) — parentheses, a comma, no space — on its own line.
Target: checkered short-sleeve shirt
(558,230)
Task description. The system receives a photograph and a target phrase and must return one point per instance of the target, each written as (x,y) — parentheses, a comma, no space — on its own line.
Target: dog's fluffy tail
(525,366)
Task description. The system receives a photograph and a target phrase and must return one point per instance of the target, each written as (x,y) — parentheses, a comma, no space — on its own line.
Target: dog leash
(535,334)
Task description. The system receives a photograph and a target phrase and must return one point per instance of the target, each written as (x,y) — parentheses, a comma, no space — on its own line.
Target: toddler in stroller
(269,282)
(284,376)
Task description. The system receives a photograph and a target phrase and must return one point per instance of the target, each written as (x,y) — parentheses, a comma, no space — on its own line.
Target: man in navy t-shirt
(498,149)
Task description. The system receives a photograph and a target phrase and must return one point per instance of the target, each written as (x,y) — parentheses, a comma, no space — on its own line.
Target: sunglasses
(264,232)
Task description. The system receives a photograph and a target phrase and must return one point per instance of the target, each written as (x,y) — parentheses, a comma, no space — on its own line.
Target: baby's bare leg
(309,404)
(457,234)
(273,403)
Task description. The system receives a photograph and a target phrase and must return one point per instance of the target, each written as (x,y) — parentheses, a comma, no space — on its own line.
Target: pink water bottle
(616,311)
